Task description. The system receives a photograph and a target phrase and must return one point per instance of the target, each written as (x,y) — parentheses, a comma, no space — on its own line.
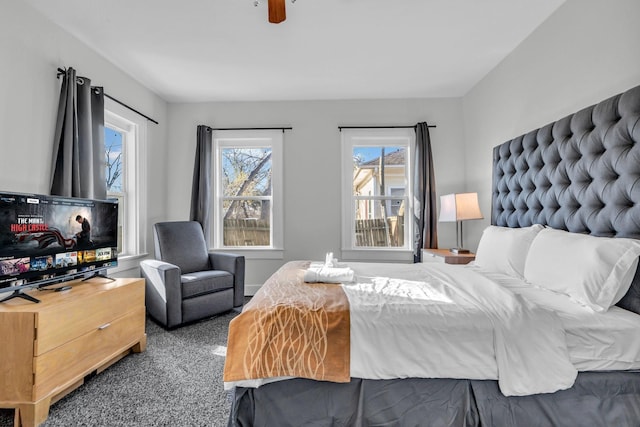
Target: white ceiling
(219,50)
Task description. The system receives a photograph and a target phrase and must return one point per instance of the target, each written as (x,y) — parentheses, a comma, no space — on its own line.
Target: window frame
(134,181)
(250,139)
(350,139)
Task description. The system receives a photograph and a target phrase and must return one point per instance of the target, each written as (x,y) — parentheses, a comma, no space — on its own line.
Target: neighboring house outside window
(248,189)
(376,192)
(125,174)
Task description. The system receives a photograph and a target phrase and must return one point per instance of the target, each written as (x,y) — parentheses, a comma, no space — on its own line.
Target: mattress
(596,341)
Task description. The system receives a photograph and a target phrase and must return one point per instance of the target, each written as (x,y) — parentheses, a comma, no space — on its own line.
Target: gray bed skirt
(596,399)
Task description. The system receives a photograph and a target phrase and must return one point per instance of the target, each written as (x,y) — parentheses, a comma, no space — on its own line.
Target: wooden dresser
(50,347)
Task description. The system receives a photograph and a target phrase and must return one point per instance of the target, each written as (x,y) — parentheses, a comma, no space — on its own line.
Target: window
(395,206)
(248,190)
(125,145)
(377,189)
(114,167)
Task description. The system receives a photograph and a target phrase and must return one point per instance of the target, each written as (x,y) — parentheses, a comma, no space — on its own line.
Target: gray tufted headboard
(580,173)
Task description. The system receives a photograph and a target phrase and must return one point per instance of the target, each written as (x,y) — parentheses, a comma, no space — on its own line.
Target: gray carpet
(176,382)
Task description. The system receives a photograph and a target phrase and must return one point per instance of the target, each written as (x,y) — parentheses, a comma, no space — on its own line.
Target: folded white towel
(321,272)
(317,265)
(329,271)
(328,260)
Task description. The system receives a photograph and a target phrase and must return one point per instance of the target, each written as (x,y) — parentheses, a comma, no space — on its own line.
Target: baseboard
(250,290)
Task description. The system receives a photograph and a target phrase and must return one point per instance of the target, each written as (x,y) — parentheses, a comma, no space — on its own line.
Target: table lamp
(457,208)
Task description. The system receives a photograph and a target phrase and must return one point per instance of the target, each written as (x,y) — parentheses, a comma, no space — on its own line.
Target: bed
(557,267)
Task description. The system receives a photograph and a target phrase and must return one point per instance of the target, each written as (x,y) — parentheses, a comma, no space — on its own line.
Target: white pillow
(504,250)
(594,271)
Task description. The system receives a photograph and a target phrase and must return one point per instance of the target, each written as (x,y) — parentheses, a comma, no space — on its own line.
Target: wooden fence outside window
(369,232)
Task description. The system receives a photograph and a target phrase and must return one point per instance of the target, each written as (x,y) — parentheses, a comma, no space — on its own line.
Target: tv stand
(50,348)
(98,274)
(20,294)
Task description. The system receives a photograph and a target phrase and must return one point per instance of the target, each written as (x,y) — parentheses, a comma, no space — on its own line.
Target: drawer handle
(105,326)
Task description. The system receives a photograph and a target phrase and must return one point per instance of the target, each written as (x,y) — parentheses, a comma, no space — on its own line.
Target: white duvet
(442,321)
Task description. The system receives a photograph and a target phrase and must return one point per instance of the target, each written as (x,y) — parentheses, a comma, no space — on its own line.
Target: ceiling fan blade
(277,11)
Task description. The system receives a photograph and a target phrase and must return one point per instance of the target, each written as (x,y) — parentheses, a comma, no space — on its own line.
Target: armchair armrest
(163,296)
(234,264)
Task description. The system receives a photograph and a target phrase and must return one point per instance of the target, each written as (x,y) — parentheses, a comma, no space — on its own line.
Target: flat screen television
(52,239)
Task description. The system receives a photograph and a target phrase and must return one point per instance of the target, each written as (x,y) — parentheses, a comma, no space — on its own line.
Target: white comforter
(442,321)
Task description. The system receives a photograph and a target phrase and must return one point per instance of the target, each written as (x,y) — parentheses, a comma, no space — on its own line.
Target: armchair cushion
(182,243)
(204,282)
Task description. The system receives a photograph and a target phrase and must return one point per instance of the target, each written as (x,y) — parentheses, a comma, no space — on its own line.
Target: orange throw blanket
(291,328)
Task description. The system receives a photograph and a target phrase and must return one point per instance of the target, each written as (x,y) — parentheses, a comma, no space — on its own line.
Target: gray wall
(32,48)
(585,52)
(312,160)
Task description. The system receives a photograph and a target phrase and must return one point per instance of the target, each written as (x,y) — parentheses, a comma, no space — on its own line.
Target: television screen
(48,239)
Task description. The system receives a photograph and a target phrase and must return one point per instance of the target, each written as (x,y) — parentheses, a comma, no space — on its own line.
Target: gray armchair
(186,282)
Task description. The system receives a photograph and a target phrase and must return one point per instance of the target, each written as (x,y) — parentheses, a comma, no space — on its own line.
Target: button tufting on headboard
(580,173)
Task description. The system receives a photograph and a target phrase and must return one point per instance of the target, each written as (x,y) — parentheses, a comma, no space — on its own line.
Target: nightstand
(446,256)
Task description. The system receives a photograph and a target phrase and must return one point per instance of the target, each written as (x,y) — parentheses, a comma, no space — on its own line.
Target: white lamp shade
(459,207)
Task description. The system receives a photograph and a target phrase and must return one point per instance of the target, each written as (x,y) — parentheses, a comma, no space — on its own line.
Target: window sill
(128,262)
(396,255)
(261,253)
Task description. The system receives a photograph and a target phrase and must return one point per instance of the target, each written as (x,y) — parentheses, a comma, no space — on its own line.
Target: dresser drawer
(64,322)
(83,354)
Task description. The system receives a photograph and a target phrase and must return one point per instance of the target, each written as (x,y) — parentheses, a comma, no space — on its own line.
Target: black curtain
(201,188)
(424,190)
(78,168)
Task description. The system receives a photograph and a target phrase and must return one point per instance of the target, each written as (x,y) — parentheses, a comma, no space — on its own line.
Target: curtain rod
(268,128)
(130,108)
(61,72)
(382,127)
